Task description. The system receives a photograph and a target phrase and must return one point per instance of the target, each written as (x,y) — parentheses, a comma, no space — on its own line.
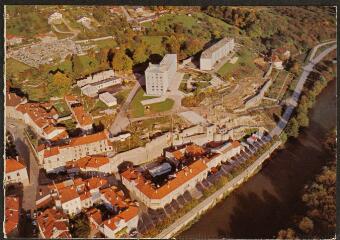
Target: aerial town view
(187,122)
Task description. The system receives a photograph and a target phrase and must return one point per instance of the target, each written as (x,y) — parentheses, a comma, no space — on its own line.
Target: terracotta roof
(88,139)
(52,219)
(51,152)
(181,178)
(13,100)
(82,117)
(68,194)
(92,162)
(85,195)
(11,214)
(178,154)
(13,165)
(129,213)
(95,182)
(95,214)
(60,136)
(194,149)
(114,197)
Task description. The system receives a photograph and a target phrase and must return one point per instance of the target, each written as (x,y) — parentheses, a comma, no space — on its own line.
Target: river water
(269,201)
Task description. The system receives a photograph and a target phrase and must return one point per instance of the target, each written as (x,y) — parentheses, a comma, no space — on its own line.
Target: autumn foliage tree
(60,84)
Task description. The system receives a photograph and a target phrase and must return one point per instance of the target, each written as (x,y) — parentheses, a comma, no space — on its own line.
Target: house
(53,223)
(158,76)
(216,52)
(16,172)
(42,118)
(84,120)
(94,165)
(12,213)
(85,21)
(54,159)
(277,62)
(121,224)
(55,18)
(12,102)
(184,167)
(108,99)
(75,195)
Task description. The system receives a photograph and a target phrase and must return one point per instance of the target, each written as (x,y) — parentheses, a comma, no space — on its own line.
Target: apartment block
(158,76)
(184,166)
(216,52)
(54,159)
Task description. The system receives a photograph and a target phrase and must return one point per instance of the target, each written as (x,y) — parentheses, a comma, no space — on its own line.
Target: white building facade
(158,76)
(210,56)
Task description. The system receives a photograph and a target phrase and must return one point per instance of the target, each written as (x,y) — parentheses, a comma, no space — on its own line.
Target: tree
(102,57)
(80,226)
(292,128)
(303,119)
(172,44)
(77,66)
(287,234)
(121,62)
(60,85)
(140,54)
(306,225)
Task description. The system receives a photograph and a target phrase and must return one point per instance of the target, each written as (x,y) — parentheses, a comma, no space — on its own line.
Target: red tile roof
(52,219)
(13,165)
(92,162)
(68,194)
(11,214)
(95,182)
(181,178)
(13,100)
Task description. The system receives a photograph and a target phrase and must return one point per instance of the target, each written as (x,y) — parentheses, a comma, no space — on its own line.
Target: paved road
(121,120)
(23,149)
(293,100)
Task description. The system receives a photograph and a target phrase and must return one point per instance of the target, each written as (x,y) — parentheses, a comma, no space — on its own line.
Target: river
(269,201)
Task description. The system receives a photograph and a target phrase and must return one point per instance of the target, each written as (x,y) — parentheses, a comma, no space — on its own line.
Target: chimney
(17,157)
(190,170)
(40,192)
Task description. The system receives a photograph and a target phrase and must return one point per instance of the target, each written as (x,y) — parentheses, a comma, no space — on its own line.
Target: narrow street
(16,128)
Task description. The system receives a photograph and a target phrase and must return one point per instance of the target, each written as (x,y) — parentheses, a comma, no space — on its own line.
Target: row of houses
(91,85)
(73,196)
(184,166)
(41,117)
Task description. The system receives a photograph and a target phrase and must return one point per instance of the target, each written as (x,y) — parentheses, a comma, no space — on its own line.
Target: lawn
(243,66)
(107,43)
(122,95)
(13,66)
(138,110)
(62,108)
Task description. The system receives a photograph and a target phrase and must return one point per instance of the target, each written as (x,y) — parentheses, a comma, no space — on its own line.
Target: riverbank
(261,207)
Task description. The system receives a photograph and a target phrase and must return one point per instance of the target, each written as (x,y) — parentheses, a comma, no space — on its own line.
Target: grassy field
(107,43)
(13,66)
(243,65)
(138,110)
(122,95)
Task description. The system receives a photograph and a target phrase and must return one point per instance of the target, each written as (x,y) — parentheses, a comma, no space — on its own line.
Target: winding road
(293,100)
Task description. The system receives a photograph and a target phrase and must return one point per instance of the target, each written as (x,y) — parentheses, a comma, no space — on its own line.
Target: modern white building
(158,76)
(108,99)
(16,172)
(216,52)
